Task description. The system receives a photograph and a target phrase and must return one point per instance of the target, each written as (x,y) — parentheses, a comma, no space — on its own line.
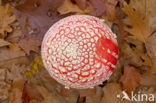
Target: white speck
(96,38)
(62,69)
(69,40)
(75,75)
(108,51)
(61,32)
(77,29)
(92,71)
(92,40)
(97,65)
(82,29)
(50,51)
(86,61)
(71,79)
(83,80)
(78,71)
(56,71)
(69,68)
(89,44)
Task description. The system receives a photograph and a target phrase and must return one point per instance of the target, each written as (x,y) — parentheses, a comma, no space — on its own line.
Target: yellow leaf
(140,25)
(69,7)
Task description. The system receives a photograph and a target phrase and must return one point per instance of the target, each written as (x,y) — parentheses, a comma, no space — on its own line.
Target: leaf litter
(23,23)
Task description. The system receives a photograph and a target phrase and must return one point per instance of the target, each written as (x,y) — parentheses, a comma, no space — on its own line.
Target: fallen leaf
(82,4)
(30,44)
(35,17)
(96,97)
(128,53)
(111,9)
(69,7)
(6,18)
(111,91)
(30,92)
(10,53)
(15,36)
(130,79)
(3,43)
(151,46)
(140,28)
(49,97)
(4,87)
(99,7)
(14,94)
(148,80)
(153,68)
(87,92)
(144,57)
(16,73)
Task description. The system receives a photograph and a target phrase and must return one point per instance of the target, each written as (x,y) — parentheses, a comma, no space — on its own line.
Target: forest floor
(23,23)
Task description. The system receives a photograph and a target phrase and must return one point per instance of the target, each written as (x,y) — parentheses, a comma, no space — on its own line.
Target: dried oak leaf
(4,87)
(6,18)
(130,79)
(104,7)
(81,3)
(12,52)
(16,73)
(129,54)
(49,97)
(29,44)
(146,8)
(151,45)
(30,92)
(148,80)
(15,35)
(96,97)
(140,28)
(69,7)
(3,43)
(99,7)
(35,17)
(14,94)
(111,91)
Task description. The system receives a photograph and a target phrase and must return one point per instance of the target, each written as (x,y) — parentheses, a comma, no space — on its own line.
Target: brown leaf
(99,7)
(96,97)
(111,9)
(29,44)
(140,28)
(35,17)
(131,79)
(82,4)
(15,35)
(4,87)
(3,43)
(14,94)
(129,54)
(15,73)
(10,53)
(148,80)
(151,45)
(111,91)
(49,97)
(6,18)
(30,92)
(87,92)
(69,7)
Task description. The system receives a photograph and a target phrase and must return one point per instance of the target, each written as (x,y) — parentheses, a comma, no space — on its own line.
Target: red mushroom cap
(80,51)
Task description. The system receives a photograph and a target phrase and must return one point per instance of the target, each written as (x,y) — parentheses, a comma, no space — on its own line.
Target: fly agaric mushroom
(80,51)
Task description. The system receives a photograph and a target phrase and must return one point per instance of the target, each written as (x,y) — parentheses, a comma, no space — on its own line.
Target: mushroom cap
(80,51)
